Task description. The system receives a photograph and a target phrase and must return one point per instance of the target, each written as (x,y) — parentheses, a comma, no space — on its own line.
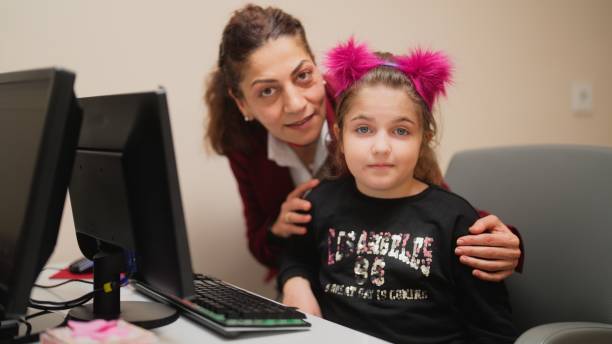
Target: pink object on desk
(98,329)
(98,332)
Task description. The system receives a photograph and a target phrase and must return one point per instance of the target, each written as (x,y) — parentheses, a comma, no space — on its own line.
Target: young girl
(378,254)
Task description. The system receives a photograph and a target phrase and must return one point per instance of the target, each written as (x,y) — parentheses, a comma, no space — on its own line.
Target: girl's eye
(401,131)
(362,130)
(266,92)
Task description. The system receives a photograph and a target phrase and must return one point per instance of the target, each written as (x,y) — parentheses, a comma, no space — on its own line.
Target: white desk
(185,331)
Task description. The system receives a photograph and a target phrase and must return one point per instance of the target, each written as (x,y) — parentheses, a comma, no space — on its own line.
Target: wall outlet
(582,97)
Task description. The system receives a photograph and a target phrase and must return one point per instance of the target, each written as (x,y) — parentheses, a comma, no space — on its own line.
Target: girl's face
(283,90)
(381,140)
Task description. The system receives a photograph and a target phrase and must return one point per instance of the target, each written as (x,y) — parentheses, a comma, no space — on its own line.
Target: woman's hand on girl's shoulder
(291,219)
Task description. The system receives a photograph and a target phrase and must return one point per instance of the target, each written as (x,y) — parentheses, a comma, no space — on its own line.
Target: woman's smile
(302,123)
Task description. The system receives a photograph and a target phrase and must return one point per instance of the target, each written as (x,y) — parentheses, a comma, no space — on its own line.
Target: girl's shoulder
(330,189)
(451,200)
(326,197)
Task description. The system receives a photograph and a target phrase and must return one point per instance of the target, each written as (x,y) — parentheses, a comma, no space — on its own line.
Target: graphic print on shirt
(371,251)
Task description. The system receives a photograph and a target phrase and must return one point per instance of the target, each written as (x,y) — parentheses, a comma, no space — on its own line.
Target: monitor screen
(125,191)
(39,125)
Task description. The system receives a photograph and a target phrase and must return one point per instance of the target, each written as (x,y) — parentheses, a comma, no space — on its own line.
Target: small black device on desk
(81,266)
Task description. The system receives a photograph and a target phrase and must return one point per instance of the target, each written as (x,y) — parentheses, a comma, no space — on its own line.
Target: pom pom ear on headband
(429,71)
(347,63)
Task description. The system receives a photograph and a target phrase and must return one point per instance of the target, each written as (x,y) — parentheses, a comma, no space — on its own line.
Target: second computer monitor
(125,190)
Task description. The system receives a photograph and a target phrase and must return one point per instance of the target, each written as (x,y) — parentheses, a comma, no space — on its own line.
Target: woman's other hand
(491,249)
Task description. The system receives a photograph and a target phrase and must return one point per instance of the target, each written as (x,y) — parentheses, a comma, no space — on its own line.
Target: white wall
(515,63)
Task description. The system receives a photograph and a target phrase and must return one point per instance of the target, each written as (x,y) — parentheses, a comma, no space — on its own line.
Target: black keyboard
(232,306)
(229,310)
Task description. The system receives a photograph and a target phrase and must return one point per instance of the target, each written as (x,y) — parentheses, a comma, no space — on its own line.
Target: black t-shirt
(387,267)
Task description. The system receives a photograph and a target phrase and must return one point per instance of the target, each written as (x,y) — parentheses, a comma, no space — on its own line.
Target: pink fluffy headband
(429,71)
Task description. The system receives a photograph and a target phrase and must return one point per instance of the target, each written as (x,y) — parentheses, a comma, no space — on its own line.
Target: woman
(270,114)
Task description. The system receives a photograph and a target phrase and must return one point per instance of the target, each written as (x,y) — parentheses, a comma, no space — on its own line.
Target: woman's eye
(401,131)
(304,76)
(362,130)
(266,92)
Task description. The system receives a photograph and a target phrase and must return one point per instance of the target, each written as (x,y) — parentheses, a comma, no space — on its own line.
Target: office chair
(560,199)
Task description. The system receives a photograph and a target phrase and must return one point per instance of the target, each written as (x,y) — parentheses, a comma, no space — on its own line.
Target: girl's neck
(410,188)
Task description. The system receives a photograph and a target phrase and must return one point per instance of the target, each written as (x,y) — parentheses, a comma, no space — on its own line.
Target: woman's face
(283,89)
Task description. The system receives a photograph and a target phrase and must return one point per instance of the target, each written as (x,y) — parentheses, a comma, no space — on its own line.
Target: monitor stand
(107,304)
(13,331)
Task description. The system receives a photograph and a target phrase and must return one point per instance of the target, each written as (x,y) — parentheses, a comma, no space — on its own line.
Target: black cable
(28,325)
(37,314)
(63,305)
(58,306)
(60,303)
(62,283)
(50,268)
(55,306)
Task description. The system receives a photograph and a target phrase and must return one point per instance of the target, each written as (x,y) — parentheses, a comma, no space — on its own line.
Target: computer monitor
(125,199)
(39,126)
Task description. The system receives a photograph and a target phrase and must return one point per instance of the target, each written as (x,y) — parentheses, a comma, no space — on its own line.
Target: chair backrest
(560,199)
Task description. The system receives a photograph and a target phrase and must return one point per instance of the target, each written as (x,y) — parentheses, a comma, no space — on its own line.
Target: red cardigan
(263,187)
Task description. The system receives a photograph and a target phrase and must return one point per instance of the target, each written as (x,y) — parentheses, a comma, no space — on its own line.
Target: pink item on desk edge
(98,332)
(98,329)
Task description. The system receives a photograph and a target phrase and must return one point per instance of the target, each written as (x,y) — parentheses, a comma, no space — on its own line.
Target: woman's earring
(248,119)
